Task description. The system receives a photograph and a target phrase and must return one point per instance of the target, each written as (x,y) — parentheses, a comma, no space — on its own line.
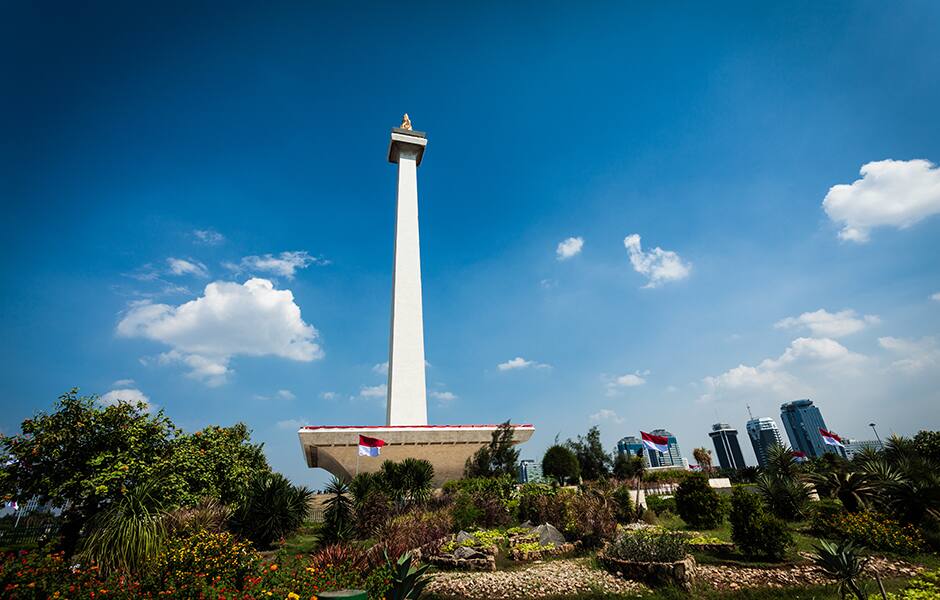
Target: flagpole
(357,459)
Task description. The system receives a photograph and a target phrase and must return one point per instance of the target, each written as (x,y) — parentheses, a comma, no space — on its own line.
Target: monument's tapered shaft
(407,392)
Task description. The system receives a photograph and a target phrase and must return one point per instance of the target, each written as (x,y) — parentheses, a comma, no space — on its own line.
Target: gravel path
(538,580)
(732,578)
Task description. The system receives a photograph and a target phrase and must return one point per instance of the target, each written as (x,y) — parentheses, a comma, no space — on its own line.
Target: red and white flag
(799,455)
(655,442)
(369,446)
(831,438)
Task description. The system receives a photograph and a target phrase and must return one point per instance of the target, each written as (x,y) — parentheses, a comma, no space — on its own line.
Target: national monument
(406,431)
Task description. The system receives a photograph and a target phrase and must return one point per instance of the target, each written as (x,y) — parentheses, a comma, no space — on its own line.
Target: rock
(463,536)
(549,535)
(466,552)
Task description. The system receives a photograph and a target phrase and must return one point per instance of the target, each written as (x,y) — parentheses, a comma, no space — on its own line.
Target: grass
(305,541)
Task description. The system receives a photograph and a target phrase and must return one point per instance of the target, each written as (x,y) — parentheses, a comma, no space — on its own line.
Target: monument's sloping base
(446,447)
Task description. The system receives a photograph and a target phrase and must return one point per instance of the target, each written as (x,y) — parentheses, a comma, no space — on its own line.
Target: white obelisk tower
(407,391)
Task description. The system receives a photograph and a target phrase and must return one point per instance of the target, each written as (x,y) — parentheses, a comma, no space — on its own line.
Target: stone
(466,553)
(463,536)
(549,535)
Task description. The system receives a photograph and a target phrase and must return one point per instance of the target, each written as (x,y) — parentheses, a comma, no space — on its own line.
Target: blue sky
(150,152)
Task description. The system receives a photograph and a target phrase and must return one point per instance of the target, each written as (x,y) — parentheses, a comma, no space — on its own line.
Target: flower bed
(679,573)
(711,545)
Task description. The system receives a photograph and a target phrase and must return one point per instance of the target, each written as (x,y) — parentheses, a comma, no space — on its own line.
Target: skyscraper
(764,434)
(727,448)
(632,445)
(803,421)
(530,471)
(672,458)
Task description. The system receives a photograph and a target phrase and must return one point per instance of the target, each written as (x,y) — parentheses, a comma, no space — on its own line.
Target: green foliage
(414,529)
(595,462)
(822,515)
(661,504)
(408,581)
(540,504)
(273,508)
(757,534)
(924,587)
(785,496)
(498,458)
(628,466)
(877,532)
(561,464)
(854,489)
(843,563)
(206,515)
(592,517)
(128,535)
(926,444)
(186,563)
(646,545)
(338,516)
(698,504)
(406,482)
(625,508)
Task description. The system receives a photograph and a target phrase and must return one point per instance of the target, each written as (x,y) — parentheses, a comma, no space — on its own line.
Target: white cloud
(658,265)
(547,284)
(935,297)
(286,395)
(293,424)
(373,391)
(520,363)
(568,248)
(625,381)
(123,383)
(209,237)
(774,374)
(381,368)
(329,395)
(130,395)
(181,266)
(230,319)
(284,264)
(826,324)
(914,355)
(605,414)
(444,397)
(896,193)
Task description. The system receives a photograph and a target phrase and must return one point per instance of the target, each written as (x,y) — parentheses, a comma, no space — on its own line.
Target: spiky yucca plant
(273,508)
(408,581)
(842,562)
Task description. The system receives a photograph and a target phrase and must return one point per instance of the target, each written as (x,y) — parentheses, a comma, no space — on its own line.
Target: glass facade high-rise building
(671,458)
(727,448)
(764,434)
(803,421)
(630,445)
(530,471)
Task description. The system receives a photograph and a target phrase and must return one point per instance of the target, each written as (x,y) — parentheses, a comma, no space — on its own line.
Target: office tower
(672,458)
(764,434)
(530,471)
(852,447)
(803,421)
(727,448)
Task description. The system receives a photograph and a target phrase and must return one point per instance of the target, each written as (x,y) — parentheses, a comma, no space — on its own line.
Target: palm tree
(855,489)
(273,508)
(703,457)
(337,517)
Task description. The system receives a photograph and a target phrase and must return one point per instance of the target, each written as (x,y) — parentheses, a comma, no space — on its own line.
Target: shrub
(924,587)
(413,530)
(822,515)
(661,504)
(207,515)
(649,546)
(756,533)
(188,563)
(482,502)
(546,506)
(843,563)
(561,464)
(786,496)
(698,504)
(625,508)
(593,520)
(338,516)
(273,509)
(877,532)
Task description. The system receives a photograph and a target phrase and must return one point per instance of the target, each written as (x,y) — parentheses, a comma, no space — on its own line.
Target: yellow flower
(293,596)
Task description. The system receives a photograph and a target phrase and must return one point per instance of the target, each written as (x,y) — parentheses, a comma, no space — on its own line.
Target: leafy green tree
(561,464)
(927,445)
(84,456)
(698,504)
(499,457)
(628,466)
(594,460)
(215,462)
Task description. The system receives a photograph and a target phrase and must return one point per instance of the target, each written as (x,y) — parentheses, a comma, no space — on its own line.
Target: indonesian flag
(831,438)
(799,455)
(369,446)
(655,442)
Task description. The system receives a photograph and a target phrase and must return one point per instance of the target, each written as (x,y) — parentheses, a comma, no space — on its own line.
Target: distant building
(633,446)
(854,446)
(672,458)
(727,448)
(803,421)
(530,471)
(764,434)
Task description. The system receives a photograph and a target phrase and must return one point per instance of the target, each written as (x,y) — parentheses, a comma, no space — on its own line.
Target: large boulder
(548,535)
(466,553)
(463,536)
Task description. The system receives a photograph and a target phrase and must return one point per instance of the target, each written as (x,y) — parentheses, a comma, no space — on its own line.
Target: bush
(188,563)
(877,532)
(413,530)
(482,501)
(561,464)
(649,546)
(546,506)
(926,586)
(273,509)
(822,514)
(625,508)
(786,496)
(698,504)
(593,520)
(756,533)
(661,504)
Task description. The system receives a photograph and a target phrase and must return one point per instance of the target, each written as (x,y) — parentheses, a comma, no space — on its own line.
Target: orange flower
(274,567)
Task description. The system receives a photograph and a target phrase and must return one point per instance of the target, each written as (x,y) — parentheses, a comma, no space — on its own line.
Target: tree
(499,457)
(703,456)
(338,516)
(83,457)
(628,466)
(273,508)
(561,463)
(594,461)
(698,504)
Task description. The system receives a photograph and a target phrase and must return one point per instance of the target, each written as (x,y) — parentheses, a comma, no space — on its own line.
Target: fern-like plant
(842,562)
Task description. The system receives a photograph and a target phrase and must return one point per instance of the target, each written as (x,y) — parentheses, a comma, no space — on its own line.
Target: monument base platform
(446,447)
